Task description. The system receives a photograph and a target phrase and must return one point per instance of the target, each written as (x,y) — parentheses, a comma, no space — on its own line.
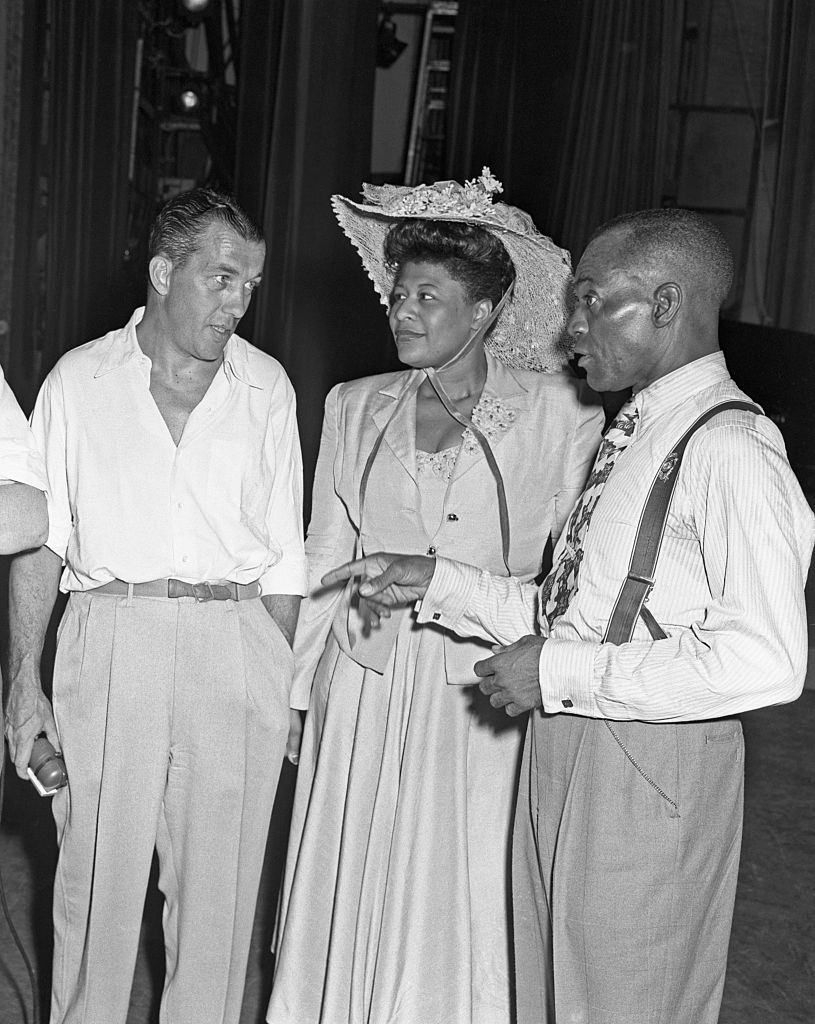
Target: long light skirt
(396,900)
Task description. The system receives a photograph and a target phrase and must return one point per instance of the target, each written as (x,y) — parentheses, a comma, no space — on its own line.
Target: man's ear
(667,300)
(159,270)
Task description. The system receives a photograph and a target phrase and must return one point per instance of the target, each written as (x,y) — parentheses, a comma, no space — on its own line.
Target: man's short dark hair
(679,238)
(471,255)
(179,225)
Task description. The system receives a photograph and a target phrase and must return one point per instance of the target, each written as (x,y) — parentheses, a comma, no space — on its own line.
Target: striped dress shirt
(729,583)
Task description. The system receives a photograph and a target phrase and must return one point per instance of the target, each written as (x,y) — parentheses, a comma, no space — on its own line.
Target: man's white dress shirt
(729,586)
(126,503)
(20,459)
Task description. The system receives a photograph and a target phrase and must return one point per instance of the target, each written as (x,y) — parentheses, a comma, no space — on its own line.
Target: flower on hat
(473,199)
(488,181)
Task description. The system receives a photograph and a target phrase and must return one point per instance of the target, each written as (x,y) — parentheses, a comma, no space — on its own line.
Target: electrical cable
(32,974)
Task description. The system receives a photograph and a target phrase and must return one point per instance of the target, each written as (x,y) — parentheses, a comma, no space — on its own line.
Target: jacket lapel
(400,429)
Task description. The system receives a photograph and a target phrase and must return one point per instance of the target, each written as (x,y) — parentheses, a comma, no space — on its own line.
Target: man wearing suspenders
(675,602)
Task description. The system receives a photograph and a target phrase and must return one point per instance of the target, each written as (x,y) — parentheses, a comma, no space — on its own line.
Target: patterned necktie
(561,584)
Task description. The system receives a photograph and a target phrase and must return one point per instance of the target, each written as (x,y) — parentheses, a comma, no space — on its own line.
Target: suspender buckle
(647,580)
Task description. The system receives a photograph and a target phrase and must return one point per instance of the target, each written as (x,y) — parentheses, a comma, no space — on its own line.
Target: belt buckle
(202,592)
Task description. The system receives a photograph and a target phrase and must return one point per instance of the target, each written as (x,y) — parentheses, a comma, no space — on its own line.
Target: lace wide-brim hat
(530,331)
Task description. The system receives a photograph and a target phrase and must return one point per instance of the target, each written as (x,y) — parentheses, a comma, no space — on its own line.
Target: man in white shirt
(175,508)
(629,818)
(23,514)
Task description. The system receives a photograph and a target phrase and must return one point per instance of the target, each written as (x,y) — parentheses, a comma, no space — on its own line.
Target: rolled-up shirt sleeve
(49,429)
(21,459)
(284,517)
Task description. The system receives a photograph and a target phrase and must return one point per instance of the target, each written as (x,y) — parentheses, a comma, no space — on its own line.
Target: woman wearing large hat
(395,905)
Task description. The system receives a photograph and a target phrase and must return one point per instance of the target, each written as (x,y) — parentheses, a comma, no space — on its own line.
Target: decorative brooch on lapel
(492,418)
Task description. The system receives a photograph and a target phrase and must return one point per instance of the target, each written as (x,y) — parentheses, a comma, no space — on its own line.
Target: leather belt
(219,590)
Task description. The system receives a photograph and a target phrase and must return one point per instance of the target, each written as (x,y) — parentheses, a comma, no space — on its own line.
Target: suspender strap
(638,583)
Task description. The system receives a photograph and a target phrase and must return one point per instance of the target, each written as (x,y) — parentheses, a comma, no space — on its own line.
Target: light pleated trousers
(625,859)
(173,721)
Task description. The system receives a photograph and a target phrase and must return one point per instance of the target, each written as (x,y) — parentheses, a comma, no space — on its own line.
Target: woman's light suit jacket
(544,456)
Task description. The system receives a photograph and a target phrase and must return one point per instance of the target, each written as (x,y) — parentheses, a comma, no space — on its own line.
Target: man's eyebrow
(231,268)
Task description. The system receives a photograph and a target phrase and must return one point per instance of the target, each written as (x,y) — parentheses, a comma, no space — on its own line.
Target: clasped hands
(510,678)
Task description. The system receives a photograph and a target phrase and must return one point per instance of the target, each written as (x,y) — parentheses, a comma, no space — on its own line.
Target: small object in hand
(46,768)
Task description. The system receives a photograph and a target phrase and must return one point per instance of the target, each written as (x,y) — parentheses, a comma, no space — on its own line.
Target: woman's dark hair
(470,254)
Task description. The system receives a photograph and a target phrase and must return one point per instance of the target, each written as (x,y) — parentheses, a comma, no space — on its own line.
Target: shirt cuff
(58,542)
(285,578)
(449,593)
(566,672)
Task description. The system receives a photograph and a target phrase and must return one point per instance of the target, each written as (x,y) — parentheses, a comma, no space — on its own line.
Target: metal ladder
(428,134)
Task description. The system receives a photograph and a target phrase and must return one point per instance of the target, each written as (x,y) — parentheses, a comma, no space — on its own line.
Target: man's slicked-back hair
(672,236)
(176,232)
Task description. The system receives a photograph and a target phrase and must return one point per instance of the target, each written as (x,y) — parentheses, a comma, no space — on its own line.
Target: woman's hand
(387,580)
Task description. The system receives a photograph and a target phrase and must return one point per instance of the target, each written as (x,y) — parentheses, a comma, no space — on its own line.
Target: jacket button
(431,550)
(452,517)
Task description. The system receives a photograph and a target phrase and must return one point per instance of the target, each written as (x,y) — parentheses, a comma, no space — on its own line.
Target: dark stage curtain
(304,133)
(513,69)
(568,102)
(790,296)
(72,239)
(614,160)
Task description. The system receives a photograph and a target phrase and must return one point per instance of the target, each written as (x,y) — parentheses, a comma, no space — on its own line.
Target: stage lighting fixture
(189,101)
(192,12)
(388,47)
